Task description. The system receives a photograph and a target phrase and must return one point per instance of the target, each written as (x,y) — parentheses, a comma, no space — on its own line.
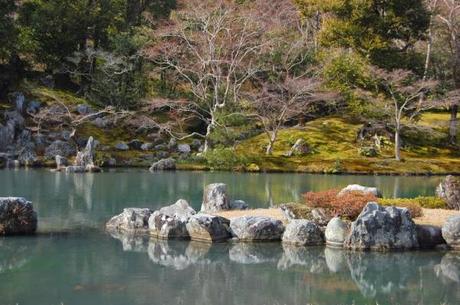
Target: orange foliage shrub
(348,205)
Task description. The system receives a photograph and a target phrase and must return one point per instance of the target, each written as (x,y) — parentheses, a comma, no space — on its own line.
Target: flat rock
(170,222)
(209,228)
(303,233)
(256,228)
(382,229)
(17,216)
(362,189)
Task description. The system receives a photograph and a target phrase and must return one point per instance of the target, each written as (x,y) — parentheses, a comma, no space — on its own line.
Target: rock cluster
(180,220)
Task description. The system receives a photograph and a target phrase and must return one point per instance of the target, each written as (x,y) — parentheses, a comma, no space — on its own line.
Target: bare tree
(448,13)
(287,86)
(279,102)
(401,99)
(212,48)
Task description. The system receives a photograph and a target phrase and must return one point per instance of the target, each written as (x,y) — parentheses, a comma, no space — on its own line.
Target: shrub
(413,207)
(423,202)
(348,205)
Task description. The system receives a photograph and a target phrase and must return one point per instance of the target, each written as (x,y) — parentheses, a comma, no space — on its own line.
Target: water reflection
(385,278)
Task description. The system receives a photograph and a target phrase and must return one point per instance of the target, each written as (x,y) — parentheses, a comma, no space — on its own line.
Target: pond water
(73,261)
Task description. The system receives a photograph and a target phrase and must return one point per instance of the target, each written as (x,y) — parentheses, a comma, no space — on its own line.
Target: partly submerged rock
(303,233)
(170,221)
(17,216)
(451,232)
(336,232)
(256,228)
(382,228)
(132,220)
(215,198)
(362,189)
(209,228)
(163,164)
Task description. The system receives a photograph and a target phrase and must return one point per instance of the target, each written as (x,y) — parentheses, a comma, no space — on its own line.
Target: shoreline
(265,171)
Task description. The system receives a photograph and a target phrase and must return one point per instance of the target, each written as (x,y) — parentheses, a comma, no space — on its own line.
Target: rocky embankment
(54,134)
(377,228)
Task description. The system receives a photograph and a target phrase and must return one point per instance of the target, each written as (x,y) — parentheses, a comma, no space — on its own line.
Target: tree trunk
(271,143)
(397,144)
(207,142)
(453,125)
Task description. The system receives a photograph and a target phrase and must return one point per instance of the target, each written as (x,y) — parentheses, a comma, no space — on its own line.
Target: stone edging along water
(377,228)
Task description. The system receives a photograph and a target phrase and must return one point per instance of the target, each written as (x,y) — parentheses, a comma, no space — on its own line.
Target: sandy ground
(435,217)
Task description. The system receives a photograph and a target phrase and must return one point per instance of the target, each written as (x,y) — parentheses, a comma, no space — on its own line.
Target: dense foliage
(270,63)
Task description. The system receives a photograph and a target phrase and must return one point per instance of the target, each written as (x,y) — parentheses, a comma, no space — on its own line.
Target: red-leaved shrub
(348,205)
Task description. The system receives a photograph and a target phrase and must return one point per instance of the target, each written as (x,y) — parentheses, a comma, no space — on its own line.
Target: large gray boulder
(209,228)
(132,220)
(429,236)
(215,198)
(170,221)
(382,228)
(60,148)
(256,228)
(451,232)
(17,216)
(163,164)
(336,232)
(362,189)
(449,190)
(303,233)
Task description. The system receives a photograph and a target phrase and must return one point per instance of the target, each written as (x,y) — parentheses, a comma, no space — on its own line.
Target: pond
(73,261)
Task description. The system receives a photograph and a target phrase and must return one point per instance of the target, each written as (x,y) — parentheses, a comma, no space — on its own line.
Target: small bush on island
(423,202)
(414,208)
(348,205)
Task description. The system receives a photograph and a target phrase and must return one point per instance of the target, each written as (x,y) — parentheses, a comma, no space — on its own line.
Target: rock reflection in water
(311,258)
(15,253)
(177,254)
(296,275)
(449,268)
(130,242)
(255,253)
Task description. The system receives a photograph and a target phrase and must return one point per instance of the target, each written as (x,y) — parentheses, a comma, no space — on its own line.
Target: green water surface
(73,261)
